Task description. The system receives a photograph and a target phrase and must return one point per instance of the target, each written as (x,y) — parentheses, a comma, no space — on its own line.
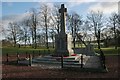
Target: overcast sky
(13,10)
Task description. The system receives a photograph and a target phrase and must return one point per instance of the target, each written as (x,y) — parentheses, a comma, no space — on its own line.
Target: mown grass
(14,50)
(109,51)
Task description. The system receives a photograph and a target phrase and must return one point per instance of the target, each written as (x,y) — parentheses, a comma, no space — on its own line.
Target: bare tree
(52,37)
(96,21)
(40,39)
(45,12)
(14,32)
(86,32)
(25,31)
(106,36)
(56,18)
(2,30)
(113,21)
(54,25)
(33,26)
(74,22)
(118,30)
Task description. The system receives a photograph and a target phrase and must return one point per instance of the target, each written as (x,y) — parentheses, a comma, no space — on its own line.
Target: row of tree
(41,25)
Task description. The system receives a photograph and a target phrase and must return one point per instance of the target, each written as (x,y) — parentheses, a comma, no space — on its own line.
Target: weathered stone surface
(62,40)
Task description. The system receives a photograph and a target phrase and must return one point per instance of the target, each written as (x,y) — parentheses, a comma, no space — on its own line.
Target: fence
(19,57)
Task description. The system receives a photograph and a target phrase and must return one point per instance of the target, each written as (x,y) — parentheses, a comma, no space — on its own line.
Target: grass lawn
(109,51)
(12,50)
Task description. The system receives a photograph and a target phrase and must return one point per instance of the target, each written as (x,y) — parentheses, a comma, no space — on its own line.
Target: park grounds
(12,70)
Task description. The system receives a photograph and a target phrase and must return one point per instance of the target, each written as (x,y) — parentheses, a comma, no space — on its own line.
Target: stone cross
(61,40)
(63,11)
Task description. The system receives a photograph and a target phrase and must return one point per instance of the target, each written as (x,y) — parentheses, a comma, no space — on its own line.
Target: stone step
(74,66)
(68,59)
(44,59)
(52,59)
(88,61)
(56,62)
(48,62)
(56,58)
(71,61)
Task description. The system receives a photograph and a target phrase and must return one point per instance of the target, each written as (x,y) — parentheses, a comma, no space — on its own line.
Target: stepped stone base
(71,61)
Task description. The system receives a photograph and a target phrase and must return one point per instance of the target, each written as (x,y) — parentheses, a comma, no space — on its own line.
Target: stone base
(59,53)
(61,47)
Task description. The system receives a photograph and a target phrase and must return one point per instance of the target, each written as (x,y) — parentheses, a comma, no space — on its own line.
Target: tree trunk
(25,42)
(58,27)
(32,40)
(115,37)
(98,39)
(14,41)
(25,39)
(46,32)
(35,38)
(53,41)
(74,42)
